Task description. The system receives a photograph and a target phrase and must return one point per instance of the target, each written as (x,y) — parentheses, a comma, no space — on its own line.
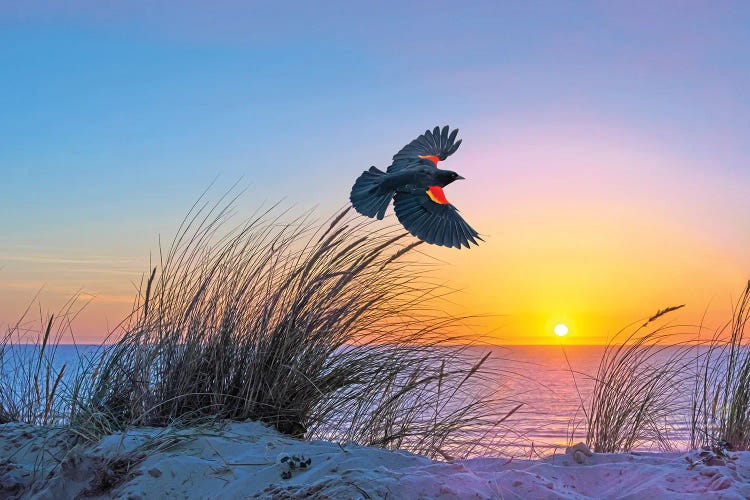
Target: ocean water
(537,376)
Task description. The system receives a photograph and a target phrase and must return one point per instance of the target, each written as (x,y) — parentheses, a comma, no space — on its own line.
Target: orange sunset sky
(605,149)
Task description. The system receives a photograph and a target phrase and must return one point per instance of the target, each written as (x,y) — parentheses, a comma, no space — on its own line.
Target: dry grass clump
(319,331)
(721,396)
(637,389)
(32,387)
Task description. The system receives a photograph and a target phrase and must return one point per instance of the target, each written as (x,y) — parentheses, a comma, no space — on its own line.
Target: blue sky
(115,117)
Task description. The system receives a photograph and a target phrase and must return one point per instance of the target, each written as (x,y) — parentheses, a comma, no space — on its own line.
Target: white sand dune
(246,460)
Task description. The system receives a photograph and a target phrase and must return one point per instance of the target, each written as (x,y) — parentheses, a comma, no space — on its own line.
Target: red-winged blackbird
(416,185)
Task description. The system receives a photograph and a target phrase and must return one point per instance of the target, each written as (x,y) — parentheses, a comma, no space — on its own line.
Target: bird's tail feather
(367,196)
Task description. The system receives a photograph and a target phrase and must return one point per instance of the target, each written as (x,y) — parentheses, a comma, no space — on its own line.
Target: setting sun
(561,330)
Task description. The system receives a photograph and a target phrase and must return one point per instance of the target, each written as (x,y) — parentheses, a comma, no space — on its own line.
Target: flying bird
(415,184)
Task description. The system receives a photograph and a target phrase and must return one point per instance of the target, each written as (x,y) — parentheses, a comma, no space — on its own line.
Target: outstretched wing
(433,145)
(430,217)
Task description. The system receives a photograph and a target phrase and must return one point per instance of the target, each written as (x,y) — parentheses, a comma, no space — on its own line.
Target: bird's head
(448,176)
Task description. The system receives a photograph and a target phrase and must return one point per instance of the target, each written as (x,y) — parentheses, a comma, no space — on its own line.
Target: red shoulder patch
(432,158)
(437,195)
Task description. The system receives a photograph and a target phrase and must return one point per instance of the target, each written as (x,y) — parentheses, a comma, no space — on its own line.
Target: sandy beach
(250,460)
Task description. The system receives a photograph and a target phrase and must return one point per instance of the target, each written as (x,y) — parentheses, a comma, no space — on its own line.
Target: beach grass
(721,395)
(32,390)
(637,388)
(320,331)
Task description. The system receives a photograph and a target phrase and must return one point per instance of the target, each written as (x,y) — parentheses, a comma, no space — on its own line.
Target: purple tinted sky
(581,120)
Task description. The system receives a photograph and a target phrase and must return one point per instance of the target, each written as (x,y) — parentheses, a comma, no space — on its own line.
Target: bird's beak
(459,178)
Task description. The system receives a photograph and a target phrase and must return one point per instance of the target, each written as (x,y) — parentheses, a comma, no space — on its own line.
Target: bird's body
(415,184)
(417,176)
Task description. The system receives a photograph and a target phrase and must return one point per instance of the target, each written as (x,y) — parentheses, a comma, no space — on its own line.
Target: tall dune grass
(637,388)
(320,331)
(721,396)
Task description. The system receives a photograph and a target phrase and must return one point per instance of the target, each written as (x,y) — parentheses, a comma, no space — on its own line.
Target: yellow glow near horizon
(561,330)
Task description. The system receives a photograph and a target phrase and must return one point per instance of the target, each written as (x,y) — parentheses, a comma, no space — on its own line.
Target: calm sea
(537,376)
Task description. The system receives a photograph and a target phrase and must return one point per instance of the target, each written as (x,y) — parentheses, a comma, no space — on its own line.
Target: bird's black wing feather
(433,222)
(403,164)
(434,142)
